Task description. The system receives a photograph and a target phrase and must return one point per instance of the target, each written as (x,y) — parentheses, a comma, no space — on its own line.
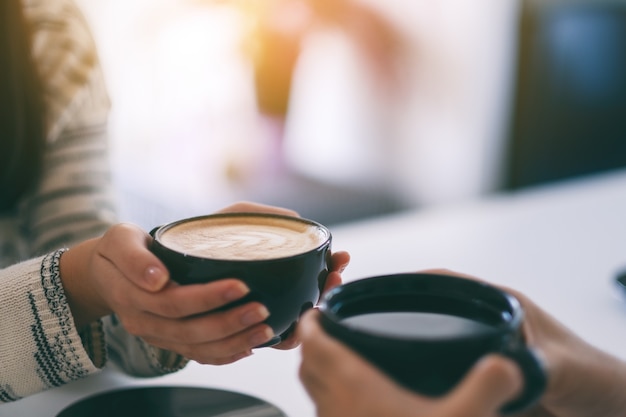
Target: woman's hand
(118,274)
(342,384)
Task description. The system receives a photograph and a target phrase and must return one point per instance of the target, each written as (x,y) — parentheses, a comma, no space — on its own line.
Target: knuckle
(114,232)
(118,235)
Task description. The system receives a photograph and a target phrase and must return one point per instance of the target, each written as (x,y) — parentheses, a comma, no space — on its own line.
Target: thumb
(491,383)
(127,247)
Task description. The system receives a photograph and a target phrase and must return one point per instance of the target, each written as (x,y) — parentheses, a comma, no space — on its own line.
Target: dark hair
(22,108)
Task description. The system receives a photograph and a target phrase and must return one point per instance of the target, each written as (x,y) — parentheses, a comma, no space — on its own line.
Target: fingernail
(236,291)
(155,277)
(260,337)
(254,316)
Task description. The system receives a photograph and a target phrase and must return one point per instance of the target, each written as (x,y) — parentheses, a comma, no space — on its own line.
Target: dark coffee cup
(426,330)
(282,259)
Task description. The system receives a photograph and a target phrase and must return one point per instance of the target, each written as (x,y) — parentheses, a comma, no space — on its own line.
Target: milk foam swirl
(244,237)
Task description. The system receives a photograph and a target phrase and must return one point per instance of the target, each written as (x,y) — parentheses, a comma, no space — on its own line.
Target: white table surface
(561,245)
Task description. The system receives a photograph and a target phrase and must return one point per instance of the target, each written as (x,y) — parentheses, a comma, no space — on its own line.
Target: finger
(126,247)
(290,340)
(328,368)
(180,301)
(309,331)
(333,279)
(324,352)
(492,382)
(339,261)
(222,351)
(314,351)
(205,328)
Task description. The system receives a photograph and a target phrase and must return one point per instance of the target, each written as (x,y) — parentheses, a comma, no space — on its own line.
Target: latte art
(244,237)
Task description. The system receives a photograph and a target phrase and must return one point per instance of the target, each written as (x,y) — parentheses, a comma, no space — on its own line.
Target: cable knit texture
(57,355)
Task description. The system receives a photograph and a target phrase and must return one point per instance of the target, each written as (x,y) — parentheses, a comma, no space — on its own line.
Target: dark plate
(170,402)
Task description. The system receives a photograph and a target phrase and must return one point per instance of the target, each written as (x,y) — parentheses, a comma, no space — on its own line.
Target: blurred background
(347,109)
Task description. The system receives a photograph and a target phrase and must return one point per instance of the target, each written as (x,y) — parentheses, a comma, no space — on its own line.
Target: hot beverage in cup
(283,259)
(416,324)
(243,237)
(426,331)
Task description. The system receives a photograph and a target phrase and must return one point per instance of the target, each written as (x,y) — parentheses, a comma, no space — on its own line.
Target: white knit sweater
(40,346)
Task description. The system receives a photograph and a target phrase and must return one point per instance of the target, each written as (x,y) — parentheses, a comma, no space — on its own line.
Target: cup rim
(330,304)
(159,230)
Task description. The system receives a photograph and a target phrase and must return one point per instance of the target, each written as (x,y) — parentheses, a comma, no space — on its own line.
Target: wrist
(84,300)
(592,385)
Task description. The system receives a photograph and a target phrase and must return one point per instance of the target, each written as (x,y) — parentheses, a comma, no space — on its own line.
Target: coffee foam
(244,237)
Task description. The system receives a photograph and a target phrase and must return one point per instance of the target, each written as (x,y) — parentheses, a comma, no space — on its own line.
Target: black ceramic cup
(283,260)
(426,330)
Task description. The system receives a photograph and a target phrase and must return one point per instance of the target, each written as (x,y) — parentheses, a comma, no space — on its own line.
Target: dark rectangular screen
(570,103)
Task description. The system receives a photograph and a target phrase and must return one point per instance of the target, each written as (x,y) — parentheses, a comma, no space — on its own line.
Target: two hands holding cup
(581,380)
(118,273)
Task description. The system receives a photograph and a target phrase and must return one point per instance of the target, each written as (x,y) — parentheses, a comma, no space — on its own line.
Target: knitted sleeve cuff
(135,356)
(40,347)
